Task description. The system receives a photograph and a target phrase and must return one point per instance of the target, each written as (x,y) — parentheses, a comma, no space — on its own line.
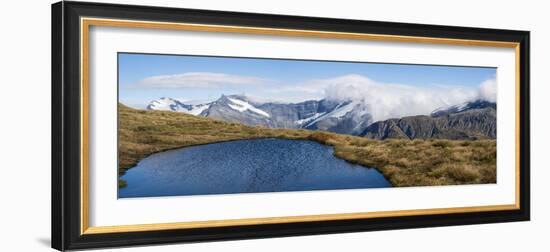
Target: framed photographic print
(180,125)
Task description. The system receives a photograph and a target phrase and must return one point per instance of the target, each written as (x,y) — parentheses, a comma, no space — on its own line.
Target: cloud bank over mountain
(388,100)
(488,90)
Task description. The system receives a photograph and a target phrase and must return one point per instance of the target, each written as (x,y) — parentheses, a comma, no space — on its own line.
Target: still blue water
(246,166)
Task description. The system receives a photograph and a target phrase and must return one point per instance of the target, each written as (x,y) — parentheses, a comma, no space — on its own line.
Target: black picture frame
(66,114)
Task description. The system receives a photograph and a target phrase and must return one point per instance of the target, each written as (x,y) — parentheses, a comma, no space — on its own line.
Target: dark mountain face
(474,120)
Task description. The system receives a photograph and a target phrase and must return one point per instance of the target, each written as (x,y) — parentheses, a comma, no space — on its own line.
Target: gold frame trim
(85,24)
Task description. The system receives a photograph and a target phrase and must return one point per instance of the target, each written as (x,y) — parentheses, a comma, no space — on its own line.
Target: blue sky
(145,77)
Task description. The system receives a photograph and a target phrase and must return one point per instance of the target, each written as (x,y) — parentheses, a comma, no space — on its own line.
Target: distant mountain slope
(473,120)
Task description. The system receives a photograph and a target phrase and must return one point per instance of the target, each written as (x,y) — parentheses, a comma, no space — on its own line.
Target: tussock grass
(402,162)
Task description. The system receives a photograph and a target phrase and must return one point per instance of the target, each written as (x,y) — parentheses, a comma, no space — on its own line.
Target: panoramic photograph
(200,125)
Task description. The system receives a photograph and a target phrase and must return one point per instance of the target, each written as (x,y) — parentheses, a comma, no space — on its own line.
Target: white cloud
(198,80)
(387,100)
(488,90)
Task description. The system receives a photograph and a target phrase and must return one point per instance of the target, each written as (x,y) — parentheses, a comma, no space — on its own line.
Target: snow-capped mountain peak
(164,103)
(169,104)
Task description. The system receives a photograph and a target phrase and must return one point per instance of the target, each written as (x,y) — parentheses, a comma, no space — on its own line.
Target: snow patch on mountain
(340,110)
(477,104)
(308,119)
(242,106)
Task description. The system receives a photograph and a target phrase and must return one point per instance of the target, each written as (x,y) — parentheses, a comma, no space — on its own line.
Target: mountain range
(471,120)
(345,117)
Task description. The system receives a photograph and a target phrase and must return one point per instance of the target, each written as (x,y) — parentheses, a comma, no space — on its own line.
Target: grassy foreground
(403,162)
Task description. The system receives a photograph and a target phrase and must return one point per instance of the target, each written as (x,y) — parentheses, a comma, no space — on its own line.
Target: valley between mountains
(451,145)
